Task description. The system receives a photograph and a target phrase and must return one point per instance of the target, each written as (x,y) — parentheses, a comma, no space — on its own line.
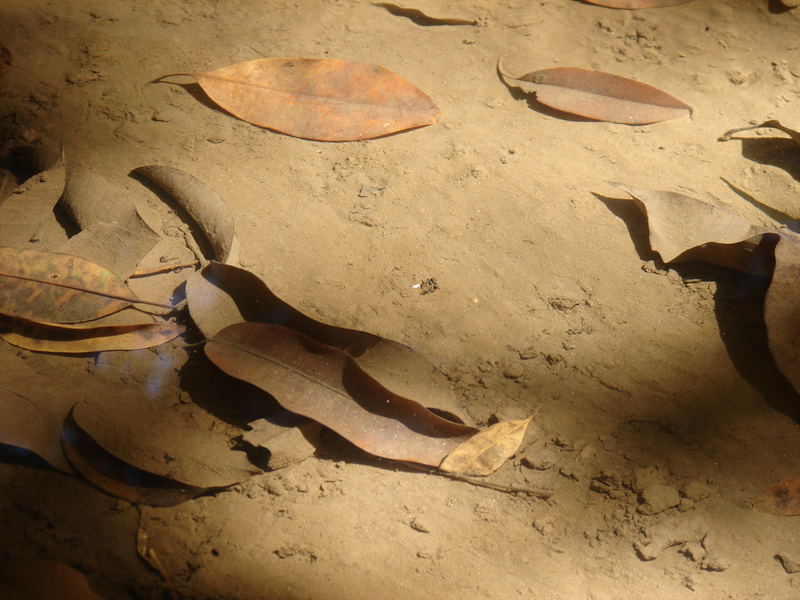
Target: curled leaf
(487,450)
(59,288)
(597,95)
(782,500)
(202,203)
(684,229)
(119,478)
(319,99)
(72,339)
(325,384)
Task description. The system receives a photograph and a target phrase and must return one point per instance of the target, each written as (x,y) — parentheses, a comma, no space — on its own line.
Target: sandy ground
(654,386)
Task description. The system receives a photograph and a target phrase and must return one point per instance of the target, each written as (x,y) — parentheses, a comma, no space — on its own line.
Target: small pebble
(419,525)
(790,562)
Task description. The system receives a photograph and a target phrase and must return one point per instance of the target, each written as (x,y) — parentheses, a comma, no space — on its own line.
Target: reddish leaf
(59,288)
(782,500)
(634,4)
(320,99)
(325,384)
(119,478)
(600,96)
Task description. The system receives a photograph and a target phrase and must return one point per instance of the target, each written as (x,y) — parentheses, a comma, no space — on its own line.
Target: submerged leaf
(118,478)
(782,500)
(59,288)
(201,202)
(72,339)
(488,450)
(684,229)
(635,4)
(325,384)
(599,96)
(319,99)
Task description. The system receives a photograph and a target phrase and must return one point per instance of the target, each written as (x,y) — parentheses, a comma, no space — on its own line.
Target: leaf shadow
(738,308)
(636,222)
(777,7)
(419,18)
(782,153)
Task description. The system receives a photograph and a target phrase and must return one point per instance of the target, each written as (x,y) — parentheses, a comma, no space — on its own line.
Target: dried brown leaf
(782,500)
(59,288)
(220,295)
(200,202)
(684,229)
(72,339)
(782,309)
(487,450)
(319,99)
(597,95)
(325,384)
(117,477)
(636,4)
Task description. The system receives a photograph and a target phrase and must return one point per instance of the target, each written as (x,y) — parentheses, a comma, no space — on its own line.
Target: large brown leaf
(634,4)
(325,384)
(59,288)
(220,295)
(320,99)
(71,339)
(117,477)
(201,203)
(597,95)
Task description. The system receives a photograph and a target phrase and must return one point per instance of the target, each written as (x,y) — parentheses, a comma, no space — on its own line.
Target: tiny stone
(513,371)
(645,477)
(537,458)
(424,554)
(694,551)
(791,563)
(694,490)
(685,504)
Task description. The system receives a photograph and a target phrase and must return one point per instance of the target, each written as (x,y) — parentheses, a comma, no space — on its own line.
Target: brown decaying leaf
(635,4)
(71,339)
(43,580)
(421,18)
(597,95)
(782,500)
(487,450)
(27,210)
(59,288)
(220,295)
(201,202)
(113,233)
(684,229)
(782,310)
(319,99)
(325,384)
(118,478)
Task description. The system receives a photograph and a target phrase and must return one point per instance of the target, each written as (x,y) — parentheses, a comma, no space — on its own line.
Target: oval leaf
(319,99)
(325,384)
(70,339)
(634,4)
(58,288)
(600,96)
(119,478)
(487,451)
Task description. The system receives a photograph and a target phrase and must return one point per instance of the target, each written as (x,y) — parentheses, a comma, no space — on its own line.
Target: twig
(543,493)
(164,269)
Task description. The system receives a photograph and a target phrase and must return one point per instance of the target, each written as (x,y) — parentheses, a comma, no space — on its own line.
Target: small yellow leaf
(486,451)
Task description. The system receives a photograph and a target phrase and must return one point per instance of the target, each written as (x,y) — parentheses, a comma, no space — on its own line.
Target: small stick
(164,269)
(543,493)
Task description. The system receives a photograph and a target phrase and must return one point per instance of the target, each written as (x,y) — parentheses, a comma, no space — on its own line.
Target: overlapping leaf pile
(684,229)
